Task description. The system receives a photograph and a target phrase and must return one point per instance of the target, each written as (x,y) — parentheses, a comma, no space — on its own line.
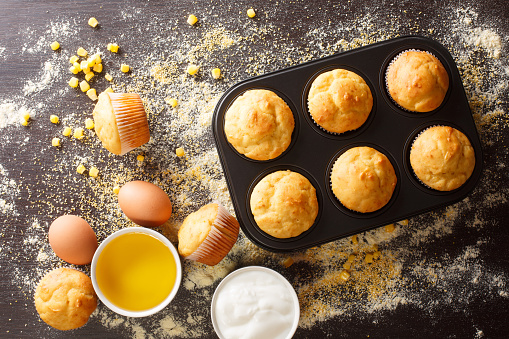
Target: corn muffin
(120,122)
(284,204)
(339,101)
(417,81)
(259,124)
(65,298)
(208,234)
(442,158)
(363,179)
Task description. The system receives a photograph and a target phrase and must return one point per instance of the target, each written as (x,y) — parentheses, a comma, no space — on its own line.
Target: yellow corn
(216,73)
(89,123)
(78,133)
(93,172)
(84,86)
(389,228)
(124,68)
(66,132)
(82,52)
(377,254)
(108,77)
(26,116)
(89,76)
(369,258)
(55,45)
(180,152)
(354,239)
(74,69)
(73,82)
(55,142)
(73,59)
(172,102)
(109,90)
(347,265)
(251,13)
(98,68)
(80,169)
(140,158)
(93,22)
(112,47)
(351,258)
(192,69)
(54,119)
(192,19)
(24,122)
(288,262)
(344,275)
(92,94)
(116,189)
(404,222)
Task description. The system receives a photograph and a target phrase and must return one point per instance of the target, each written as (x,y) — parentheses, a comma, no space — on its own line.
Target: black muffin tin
(312,151)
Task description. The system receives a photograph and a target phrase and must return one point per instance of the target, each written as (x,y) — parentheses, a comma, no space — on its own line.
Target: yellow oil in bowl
(136,271)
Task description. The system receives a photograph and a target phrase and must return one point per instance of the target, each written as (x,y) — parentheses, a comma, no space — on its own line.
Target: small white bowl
(154,309)
(247,273)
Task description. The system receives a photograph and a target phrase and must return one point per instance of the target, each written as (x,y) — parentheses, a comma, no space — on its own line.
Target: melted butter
(136,271)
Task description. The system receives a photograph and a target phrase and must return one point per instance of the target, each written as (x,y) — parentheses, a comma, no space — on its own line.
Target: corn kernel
(124,68)
(89,123)
(109,90)
(93,172)
(84,86)
(73,82)
(375,247)
(82,52)
(66,132)
(54,119)
(377,254)
(97,58)
(80,169)
(192,19)
(78,133)
(92,94)
(216,73)
(404,222)
(354,239)
(140,158)
(108,77)
(91,62)
(74,69)
(98,68)
(288,262)
(24,122)
(55,142)
(93,22)
(172,102)
(116,189)
(251,13)
(192,69)
(347,265)
(369,258)
(89,76)
(26,116)
(73,59)
(389,228)
(180,152)
(112,48)
(351,258)
(344,275)
(84,65)
(55,45)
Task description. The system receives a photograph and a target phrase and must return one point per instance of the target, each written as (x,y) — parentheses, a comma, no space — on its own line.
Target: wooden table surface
(452,264)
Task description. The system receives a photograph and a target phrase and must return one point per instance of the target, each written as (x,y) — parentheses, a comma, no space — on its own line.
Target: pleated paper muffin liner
(220,240)
(387,71)
(131,120)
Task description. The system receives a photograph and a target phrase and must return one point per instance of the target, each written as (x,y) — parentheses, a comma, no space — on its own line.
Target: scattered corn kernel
(92,94)
(66,132)
(84,65)
(73,59)
(97,58)
(344,275)
(377,254)
(389,228)
(112,48)
(78,133)
(55,142)
(108,90)
(84,86)
(375,247)
(347,265)
(354,239)
(116,189)
(251,13)
(26,116)
(172,102)
(24,122)
(93,172)
(140,158)
(180,152)
(82,52)
(91,61)
(80,169)
(288,262)
(369,258)
(192,69)
(73,82)
(404,222)
(108,77)
(351,258)
(54,119)
(89,76)
(93,22)
(216,73)
(192,19)
(89,123)
(74,69)
(55,45)
(98,68)
(124,68)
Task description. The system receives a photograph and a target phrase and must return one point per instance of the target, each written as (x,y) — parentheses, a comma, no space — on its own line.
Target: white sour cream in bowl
(255,302)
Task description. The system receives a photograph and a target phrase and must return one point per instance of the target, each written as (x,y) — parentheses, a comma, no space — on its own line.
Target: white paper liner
(387,71)
(221,238)
(131,120)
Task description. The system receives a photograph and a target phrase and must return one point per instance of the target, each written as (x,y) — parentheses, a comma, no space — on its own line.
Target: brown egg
(72,239)
(144,203)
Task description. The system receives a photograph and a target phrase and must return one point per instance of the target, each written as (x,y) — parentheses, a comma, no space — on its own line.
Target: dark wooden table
(453,265)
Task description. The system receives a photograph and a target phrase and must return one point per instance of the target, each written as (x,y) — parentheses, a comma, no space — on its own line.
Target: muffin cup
(220,240)
(410,150)
(131,120)
(387,71)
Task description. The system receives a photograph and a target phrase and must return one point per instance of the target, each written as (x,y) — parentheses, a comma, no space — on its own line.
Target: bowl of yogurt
(255,302)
